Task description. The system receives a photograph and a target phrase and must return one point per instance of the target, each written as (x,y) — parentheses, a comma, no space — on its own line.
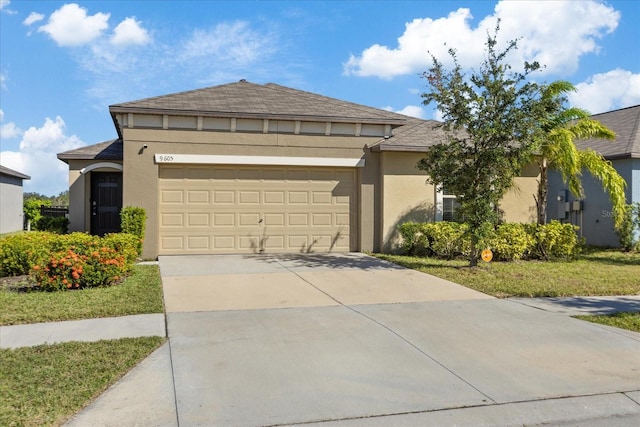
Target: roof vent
(243,80)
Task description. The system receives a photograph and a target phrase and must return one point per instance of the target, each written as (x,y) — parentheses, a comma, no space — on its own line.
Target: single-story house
(251,168)
(11,200)
(594,214)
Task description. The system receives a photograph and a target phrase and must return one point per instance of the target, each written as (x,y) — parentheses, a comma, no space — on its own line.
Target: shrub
(510,242)
(553,240)
(124,244)
(630,227)
(103,267)
(442,239)
(31,208)
(447,239)
(57,225)
(415,238)
(133,221)
(63,270)
(18,252)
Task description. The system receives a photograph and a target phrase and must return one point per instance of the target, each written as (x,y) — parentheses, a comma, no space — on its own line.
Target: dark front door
(106,202)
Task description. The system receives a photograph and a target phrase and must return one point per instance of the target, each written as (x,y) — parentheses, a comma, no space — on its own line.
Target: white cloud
(3,80)
(4,7)
(234,42)
(71,26)
(607,91)
(129,32)
(543,27)
(33,18)
(409,110)
(37,156)
(4,3)
(8,130)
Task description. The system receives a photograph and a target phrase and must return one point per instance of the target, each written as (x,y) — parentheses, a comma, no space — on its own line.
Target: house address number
(164,158)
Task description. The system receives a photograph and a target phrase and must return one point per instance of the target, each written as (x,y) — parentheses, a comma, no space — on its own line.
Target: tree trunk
(541,200)
(473,258)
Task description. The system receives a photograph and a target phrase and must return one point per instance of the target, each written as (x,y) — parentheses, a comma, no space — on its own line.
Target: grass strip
(630,321)
(47,384)
(139,293)
(594,273)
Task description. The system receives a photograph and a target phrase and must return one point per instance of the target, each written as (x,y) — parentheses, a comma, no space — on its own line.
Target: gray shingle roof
(625,123)
(107,150)
(245,99)
(416,135)
(13,173)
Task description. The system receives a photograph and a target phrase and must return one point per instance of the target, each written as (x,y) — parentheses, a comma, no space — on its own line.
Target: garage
(208,209)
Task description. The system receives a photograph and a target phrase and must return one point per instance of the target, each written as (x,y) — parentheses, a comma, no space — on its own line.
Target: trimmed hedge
(69,261)
(133,221)
(508,241)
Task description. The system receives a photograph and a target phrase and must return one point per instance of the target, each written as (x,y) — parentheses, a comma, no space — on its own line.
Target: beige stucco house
(250,168)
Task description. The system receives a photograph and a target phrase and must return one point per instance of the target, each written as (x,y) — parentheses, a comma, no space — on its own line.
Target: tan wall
(518,204)
(406,196)
(140,173)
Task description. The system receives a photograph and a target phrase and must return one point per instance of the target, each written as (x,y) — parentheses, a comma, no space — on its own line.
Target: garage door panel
(227,209)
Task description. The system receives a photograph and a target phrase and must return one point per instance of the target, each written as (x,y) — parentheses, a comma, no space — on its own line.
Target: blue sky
(62,64)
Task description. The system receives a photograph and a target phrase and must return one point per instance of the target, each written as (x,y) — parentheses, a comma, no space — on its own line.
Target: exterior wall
(140,173)
(518,204)
(406,196)
(596,218)
(80,194)
(11,210)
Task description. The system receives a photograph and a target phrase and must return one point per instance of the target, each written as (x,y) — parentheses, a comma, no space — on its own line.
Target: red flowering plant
(62,270)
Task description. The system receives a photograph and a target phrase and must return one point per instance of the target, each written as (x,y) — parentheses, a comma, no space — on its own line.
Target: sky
(62,64)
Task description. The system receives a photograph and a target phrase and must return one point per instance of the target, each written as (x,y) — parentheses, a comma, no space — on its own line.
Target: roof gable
(245,99)
(625,123)
(107,150)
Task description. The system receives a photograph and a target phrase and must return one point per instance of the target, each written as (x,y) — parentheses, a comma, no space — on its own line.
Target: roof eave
(114,109)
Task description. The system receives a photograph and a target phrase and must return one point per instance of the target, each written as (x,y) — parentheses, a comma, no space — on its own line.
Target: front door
(106,202)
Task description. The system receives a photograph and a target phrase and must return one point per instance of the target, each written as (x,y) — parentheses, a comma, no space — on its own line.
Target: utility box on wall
(563,205)
(576,206)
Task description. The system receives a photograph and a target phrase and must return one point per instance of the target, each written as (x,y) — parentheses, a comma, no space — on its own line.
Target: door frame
(93,208)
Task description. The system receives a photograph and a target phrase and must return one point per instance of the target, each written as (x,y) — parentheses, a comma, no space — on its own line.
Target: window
(446,205)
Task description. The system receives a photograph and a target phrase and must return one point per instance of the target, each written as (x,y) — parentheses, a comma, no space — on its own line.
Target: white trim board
(206,159)
(94,166)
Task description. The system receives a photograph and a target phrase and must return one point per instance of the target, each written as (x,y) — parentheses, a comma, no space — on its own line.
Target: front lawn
(139,293)
(47,384)
(630,321)
(597,272)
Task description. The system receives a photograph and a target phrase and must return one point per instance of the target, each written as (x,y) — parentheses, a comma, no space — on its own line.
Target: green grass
(47,384)
(597,272)
(630,321)
(139,293)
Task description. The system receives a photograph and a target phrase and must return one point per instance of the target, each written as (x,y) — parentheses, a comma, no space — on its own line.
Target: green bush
(18,252)
(57,224)
(510,242)
(630,227)
(448,239)
(31,208)
(68,261)
(553,240)
(415,238)
(441,239)
(124,244)
(133,221)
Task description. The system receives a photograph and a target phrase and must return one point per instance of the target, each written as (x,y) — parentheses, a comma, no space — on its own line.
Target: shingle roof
(107,150)
(245,99)
(416,135)
(625,123)
(11,172)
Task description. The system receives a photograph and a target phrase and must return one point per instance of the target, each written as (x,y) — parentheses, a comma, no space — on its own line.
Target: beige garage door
(235,209)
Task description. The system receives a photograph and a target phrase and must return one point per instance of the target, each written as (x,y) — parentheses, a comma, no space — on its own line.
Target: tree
(491,117)
(562,127)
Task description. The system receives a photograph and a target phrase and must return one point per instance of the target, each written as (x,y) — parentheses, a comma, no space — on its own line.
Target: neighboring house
(594,214)
(249,168)
(11,201)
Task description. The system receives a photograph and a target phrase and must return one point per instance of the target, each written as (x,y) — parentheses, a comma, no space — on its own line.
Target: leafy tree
(562,127)
(31,207)
(491,117)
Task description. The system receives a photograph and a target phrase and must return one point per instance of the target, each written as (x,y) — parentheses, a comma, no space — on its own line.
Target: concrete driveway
(351,340)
